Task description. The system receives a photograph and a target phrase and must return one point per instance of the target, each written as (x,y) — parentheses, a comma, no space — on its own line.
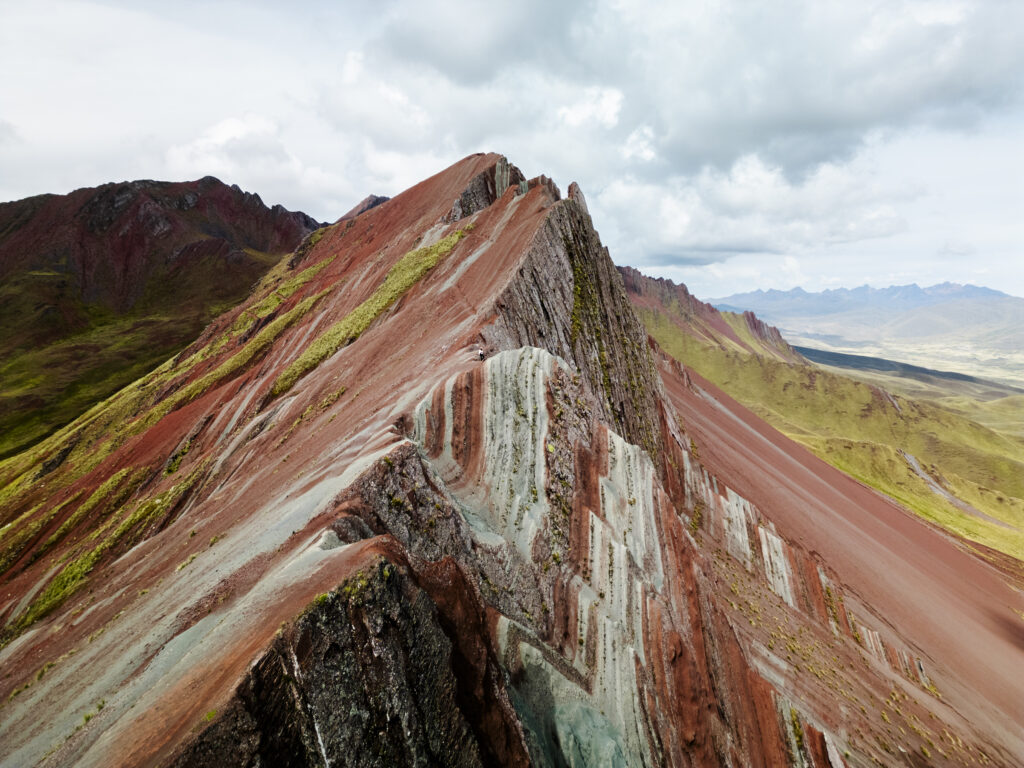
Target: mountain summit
(432,497)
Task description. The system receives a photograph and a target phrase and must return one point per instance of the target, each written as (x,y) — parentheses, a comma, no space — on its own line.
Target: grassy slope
(99,286)
(1003,414)
(111,519)
(47,384)
(860,430)
(128,506)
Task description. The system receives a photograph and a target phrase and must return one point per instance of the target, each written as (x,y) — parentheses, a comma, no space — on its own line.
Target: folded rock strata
(569,553)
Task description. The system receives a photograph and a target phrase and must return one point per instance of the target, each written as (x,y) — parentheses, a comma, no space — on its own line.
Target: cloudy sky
(731,145)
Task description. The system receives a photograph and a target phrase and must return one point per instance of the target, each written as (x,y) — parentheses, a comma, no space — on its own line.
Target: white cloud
(598,105)
(7,133)
(640,145)
(728,135)
(751,208)
(250,144)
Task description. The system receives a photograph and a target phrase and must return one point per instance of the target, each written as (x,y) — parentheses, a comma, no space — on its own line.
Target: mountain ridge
(739,330)
(800,301)
(521,559)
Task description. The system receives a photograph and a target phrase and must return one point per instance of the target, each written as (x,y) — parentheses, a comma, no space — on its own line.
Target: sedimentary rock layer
(480,523)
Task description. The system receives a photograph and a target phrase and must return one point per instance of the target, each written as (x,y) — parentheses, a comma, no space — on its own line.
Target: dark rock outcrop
(364,678)
(364,205)
(484,189)
(576,195)
(568,298)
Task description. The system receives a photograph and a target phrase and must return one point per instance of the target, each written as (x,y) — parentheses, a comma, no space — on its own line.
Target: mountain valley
(964,328)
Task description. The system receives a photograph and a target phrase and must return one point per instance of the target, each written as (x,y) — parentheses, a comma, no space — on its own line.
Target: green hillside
(996,407)
(46,385)
(862,430)
(99,286)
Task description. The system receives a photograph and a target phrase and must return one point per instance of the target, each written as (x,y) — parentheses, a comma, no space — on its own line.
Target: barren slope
(936,460)
(913,577)
(328,533)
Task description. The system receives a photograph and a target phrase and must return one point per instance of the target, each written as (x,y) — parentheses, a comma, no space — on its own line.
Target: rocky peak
(368,202)
(663,290)
(485,188)
(768,334)
(576,195)
(432,498)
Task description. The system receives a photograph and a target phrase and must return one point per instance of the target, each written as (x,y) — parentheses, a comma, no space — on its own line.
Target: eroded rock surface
(567,553)
(363,678)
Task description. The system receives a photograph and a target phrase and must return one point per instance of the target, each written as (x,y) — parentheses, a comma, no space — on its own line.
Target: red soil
(957,609)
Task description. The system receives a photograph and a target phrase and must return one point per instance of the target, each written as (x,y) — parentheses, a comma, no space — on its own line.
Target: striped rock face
(332,533)
(585,564)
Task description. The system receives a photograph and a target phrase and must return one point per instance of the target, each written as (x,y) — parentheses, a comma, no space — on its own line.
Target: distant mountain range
(967,328)
(895,298)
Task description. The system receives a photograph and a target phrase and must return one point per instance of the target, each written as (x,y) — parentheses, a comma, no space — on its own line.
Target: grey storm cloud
(471,43)
(708,137)
(797,83)
(698,255)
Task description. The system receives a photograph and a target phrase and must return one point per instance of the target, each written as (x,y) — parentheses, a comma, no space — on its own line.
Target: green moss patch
(125,482)
(106,426)
(127,532)
(275,297)
(16,537)
(60,355)
(231,366)
(403,276)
